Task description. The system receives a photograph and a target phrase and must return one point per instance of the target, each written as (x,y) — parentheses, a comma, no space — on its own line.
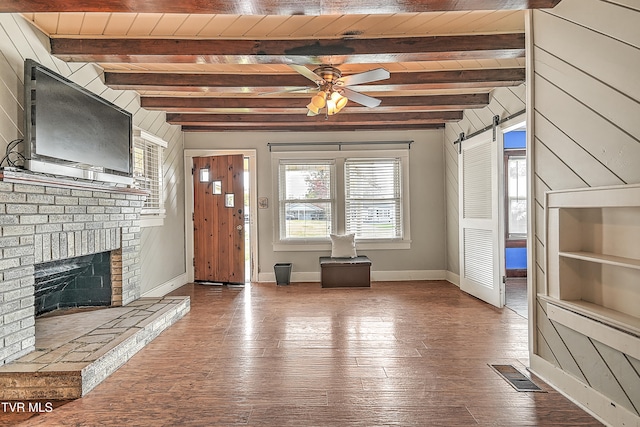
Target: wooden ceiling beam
(300,51)
(262,83)
(210,104)
(267,120)
(293,127)
(266,7)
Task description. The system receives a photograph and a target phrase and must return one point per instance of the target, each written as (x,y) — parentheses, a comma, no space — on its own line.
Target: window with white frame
(307,199)
(361,192)
(148,174)
(373,200)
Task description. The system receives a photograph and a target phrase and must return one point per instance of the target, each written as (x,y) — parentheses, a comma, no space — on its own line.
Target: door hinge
(193,216)
(193,170)
(194,262)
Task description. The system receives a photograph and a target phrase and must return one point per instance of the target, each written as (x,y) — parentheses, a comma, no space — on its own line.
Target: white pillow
(343,246)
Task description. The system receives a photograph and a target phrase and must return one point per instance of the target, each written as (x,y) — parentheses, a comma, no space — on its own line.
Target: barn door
(218,219)
(479,215)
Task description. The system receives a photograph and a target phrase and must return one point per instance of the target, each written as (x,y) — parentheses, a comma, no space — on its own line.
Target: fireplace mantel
(14,175)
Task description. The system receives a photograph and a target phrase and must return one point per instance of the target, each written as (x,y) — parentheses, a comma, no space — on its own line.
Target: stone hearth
(75,352)
(43,220)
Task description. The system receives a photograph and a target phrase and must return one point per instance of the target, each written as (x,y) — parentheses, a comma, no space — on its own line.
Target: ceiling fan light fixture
(313,108)
(339,100)
(319,100)
(331,107)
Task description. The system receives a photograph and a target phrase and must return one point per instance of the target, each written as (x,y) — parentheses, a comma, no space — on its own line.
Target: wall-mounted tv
(73,132)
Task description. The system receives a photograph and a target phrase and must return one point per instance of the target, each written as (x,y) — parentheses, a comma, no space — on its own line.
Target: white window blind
(306,199)
(373,198)
(148,171)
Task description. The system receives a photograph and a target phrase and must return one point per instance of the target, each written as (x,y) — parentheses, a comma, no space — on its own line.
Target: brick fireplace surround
(46,219)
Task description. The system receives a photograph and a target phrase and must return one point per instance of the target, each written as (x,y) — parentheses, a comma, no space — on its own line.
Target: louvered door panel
(479,221)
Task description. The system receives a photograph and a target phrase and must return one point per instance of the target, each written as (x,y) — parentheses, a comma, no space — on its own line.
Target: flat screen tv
(73,132)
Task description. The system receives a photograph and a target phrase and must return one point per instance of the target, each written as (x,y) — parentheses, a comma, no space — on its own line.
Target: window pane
(307,220)
(306,200)
(373,198)
(147,173)
(517,188)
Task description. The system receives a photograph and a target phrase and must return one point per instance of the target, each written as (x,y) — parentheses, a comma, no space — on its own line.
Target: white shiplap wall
(162,248)
(586,111)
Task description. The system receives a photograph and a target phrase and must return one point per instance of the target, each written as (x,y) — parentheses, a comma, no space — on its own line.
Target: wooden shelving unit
(593,261)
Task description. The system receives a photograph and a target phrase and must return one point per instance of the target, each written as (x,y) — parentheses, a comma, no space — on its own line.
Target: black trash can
(283,273)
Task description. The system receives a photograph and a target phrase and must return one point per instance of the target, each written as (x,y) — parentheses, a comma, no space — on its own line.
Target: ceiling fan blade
(301,89)
(366,77)
(307,73)
(361,98)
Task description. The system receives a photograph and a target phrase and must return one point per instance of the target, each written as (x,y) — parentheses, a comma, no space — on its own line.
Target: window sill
(322,246)
(151,221)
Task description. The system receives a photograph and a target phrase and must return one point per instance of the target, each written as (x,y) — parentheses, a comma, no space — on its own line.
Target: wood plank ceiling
(221,65)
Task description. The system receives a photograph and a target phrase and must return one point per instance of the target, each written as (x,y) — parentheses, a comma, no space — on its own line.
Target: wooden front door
(218,219)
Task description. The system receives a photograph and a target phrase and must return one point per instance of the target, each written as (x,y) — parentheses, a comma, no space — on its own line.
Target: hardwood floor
(401,353)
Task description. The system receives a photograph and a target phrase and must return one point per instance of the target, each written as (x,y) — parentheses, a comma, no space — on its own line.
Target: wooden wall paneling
(607,59)
(553,170)
(599,16)
(540,284)
(563,357)
(624,372)
(614,106)
(587,134)
(591,364)
(585,165)
(540,187)
(582,124)
(543,349)
(509,100)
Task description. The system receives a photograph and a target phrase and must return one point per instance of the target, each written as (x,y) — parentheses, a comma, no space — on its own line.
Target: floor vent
(516,378)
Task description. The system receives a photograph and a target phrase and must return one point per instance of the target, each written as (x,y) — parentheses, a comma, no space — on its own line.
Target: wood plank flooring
(396,354)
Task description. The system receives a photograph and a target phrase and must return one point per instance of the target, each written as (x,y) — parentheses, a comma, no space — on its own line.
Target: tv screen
(72,131)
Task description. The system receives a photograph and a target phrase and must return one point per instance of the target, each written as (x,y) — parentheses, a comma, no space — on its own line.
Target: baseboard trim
(453,278)
(376,276)
(165,288)
(592,401)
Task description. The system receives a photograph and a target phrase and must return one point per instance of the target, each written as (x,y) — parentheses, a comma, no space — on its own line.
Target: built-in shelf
(593,262)
(615,319)
(603,259)
(608,327)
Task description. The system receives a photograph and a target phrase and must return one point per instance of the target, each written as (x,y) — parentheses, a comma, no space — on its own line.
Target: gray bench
(345,272)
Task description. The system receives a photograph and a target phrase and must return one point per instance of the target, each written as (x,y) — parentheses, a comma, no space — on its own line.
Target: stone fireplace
(45,221)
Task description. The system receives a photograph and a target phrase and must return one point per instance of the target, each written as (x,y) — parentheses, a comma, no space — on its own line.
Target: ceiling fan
(333,92)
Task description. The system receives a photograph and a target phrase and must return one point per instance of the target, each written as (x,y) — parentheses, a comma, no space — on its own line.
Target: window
(306,199)
(373,199)
(364,192)
(516,189)
(148,174)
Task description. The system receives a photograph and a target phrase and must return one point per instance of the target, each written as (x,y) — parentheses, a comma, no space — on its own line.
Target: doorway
(515,218)
(247,199)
